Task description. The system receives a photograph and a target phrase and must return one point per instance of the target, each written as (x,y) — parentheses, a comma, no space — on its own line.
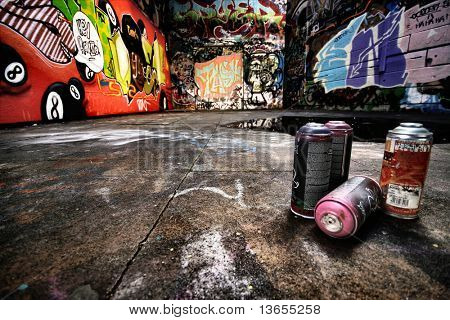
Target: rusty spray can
(342,212)
(405,165)
(342,135)
(312,165)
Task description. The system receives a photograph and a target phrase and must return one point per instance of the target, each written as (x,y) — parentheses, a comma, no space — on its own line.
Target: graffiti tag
(90,51)
(387,54)
(332,58)
(218,78)
(369,66)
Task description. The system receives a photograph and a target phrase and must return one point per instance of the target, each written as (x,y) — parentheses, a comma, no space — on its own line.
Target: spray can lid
(315,129)
(412,129)
(338,125)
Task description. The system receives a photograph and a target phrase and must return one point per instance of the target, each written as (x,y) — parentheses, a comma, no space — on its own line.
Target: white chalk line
(238,197)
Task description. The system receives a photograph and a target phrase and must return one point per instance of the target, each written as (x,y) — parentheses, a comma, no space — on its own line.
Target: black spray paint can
(342,135)
(312,165)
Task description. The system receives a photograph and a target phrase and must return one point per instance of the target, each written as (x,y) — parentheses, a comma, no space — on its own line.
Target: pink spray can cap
(338,125)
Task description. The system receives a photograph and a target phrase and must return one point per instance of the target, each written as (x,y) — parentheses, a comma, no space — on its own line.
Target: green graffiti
(88,8)
(236,19)
(116,63)
(158,61)
(67,7)
(104,32)
(116,57)
(151,83)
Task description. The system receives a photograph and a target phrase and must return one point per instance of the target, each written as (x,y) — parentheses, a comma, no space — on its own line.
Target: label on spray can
(339,143)
(311,175)
(342,136)
(407,197)
(317,173)
(405,164)
(361,192)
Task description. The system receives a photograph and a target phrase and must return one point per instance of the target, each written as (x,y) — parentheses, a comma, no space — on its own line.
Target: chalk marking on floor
(115,137)
(105,193)
(238,197)
(213,268)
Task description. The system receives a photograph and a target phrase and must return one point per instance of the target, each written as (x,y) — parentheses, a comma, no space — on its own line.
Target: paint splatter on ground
(216,268)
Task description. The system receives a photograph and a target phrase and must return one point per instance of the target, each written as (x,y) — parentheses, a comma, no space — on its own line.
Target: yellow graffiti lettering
(121,60)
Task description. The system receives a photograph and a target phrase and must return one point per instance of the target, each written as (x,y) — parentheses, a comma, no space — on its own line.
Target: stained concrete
(178,206)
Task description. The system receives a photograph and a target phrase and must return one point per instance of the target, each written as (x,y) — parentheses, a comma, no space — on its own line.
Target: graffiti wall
(68,59)
(369,55)
(236,43)
(220,77)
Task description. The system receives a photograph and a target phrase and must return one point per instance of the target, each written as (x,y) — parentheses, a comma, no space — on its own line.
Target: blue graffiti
(413,99)
(332,59)
(368,57)
(375,58)
(278,82)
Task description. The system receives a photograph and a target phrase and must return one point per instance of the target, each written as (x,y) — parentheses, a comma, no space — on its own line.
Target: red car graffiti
(45,81)
(33,88)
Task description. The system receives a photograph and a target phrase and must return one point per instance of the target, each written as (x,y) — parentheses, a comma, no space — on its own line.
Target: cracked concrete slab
(73,214)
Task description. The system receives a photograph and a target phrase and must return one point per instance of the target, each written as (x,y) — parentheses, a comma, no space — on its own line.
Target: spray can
(341,213)
(312,164)
(405,164)
(342,135)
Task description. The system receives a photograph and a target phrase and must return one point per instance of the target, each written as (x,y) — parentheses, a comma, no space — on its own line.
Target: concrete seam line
(111,293)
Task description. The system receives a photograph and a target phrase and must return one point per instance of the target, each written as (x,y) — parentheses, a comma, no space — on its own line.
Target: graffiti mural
(66,59)
(374,55)
(156,10)
(331,66)
(206,31)
(294,71)
(264,75)
(182,73)
(225,19)
(220,77)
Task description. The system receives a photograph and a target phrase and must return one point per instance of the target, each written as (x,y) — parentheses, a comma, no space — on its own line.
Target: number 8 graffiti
(15,73)
(54,106)
(74,92)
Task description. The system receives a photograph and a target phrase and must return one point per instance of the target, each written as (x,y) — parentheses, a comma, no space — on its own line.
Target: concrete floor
(176,206)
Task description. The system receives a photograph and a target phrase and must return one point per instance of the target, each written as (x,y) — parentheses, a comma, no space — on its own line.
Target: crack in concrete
(110,293)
